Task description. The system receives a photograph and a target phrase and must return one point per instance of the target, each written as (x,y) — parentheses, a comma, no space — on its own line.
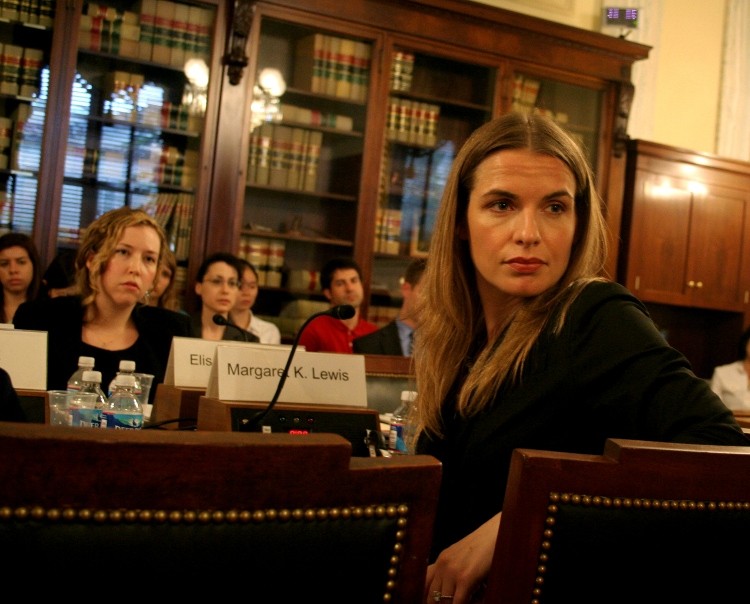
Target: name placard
(251,373)
(190,360)
(23,354)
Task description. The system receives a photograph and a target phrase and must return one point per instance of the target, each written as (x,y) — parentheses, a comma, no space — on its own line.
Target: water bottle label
(396,438)
(123,421)
(89,418)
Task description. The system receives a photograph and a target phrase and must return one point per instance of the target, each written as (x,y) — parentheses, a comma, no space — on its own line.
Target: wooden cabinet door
(714,258)
(686,242)
(658,256)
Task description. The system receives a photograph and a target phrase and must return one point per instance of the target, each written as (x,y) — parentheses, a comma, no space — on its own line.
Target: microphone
(246,336)
(342,311)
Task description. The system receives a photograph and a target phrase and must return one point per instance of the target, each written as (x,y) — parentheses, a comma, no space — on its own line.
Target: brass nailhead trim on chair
(613,502)
(94,516)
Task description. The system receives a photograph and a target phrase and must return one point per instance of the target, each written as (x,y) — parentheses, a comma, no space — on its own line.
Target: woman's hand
(461,569)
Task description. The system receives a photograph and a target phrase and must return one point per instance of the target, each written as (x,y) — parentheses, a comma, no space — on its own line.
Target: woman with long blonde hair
(521,342)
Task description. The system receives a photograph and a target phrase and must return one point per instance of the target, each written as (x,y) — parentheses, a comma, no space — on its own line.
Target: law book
(31,70)
(263,167)
(24,11)
(431,133)
(205,20)
(192,32)
(280,146)
(163,36)
(345,75)
(46,12)
(9,9)
(309,56)
(296,158)
(146,10)
(11,68)
(252,155)
(179,45)
(258,249)
(404,120)
(331,45)
(312,160)
(361,71)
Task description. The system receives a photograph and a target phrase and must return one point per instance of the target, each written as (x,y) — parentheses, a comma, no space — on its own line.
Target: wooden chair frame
(644,522)
(274,517)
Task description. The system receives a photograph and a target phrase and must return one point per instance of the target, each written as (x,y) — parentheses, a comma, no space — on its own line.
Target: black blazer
(383,341)
(62,319)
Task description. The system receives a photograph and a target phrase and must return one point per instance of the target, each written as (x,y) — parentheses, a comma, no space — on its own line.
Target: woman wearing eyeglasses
(217,285)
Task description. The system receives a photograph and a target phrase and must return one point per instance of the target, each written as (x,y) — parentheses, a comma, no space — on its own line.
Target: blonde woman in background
(116,264)
(163,294)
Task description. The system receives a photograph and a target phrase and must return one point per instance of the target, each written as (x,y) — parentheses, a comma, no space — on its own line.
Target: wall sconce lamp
(195,94)
(267,92)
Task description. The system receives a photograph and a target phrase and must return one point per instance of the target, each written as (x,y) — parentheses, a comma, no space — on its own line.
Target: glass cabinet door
(304,163)
(575,107)
(136,116)
(434,104)
(25,43)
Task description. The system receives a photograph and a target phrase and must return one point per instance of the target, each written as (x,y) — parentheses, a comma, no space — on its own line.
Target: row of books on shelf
(333,66)
(20,70)
(412,122)
(284,156)
(266,255)
(37,12)
(313,117)
(174,212)
(402,71)
(158,30)
(166,165)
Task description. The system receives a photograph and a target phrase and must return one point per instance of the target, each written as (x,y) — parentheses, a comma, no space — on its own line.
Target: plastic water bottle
(75,380)
(398,436)
(91,417)
(125,368)
(124,410)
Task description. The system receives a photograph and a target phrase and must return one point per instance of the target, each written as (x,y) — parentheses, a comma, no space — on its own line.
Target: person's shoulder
(595,292)
(366,326)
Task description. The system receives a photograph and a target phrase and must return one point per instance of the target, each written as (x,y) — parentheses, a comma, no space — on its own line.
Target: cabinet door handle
(699,284)
(691,283)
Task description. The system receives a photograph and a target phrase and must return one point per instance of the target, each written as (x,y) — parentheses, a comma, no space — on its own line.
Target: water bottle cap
(125,380)
(408,396)
(127,365)
(92,376)
(86,362)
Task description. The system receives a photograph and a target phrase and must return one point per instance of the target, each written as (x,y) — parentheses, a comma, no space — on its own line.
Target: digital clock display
(624,17)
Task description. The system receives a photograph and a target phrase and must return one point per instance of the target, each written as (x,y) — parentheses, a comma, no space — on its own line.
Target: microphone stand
(344,311)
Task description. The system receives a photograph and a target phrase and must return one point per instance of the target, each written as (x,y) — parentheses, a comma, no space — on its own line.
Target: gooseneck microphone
(246,335)
(343,311)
